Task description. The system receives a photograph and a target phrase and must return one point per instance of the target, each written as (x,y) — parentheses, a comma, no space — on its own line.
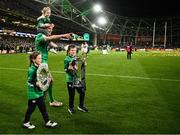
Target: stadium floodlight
(97,8)
(102,21)
(94,25)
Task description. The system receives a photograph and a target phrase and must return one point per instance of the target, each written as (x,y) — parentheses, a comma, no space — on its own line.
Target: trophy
(43,76)
(79,73)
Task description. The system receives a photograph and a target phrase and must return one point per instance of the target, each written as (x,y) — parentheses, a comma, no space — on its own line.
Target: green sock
(50,93)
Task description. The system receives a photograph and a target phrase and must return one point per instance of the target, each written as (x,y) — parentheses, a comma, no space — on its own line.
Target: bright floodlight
(97,8)
(93,25)
(102,21)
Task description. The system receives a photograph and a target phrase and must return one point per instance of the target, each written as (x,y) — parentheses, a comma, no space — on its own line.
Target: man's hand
(68,35)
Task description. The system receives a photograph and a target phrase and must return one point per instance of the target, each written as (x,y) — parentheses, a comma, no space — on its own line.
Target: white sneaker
(51,124)
(28,125)
(56,103)
(82,109)
(71,111)
(53,50)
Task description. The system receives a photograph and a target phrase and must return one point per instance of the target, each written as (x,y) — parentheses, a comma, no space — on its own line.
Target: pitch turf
(141,95)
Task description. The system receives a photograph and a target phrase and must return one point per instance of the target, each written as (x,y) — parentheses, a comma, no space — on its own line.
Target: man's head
(49,30)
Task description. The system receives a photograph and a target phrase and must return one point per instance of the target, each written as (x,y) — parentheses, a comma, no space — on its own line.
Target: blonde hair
(45,9)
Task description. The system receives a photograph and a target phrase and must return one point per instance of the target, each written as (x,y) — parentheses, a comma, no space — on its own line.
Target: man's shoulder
(40,36)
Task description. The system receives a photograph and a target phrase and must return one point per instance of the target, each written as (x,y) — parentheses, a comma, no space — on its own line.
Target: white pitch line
(135,77)
(103,75)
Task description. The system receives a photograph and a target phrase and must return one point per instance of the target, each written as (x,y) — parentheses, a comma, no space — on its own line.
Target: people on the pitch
(104,49)
(129,51)
(35,95)
(42,41)
(71,67)
(85,49)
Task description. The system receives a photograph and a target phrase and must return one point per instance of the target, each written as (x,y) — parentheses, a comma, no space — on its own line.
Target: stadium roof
(134,8)
(63,20)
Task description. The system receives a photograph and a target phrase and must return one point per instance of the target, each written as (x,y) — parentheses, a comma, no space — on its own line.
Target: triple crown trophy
(79,80)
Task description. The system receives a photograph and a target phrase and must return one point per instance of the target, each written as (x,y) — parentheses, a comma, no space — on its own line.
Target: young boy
(35,95)
(71,67)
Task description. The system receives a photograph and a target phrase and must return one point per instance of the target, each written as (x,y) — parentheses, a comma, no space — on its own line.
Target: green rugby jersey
(42,21)
(41,46)
(69,75)
(33,91)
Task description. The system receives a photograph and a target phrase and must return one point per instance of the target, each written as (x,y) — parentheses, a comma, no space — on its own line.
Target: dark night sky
(144,8)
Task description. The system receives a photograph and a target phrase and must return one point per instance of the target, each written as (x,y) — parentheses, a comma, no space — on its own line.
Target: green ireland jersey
(33,91)
(69,74)
(42,21)
(41,46)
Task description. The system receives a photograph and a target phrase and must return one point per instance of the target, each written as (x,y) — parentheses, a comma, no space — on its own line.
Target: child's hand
(37,84)
(70,67)
(50,79)
(75,67)
(49,25)
(52,25)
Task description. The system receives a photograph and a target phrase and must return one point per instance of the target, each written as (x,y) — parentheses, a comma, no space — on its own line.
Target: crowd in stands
(13,44)
(9,44)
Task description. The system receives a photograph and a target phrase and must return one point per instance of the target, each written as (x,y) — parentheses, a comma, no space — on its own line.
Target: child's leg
(71,92)
(30,110)
(42,108)
(81,96)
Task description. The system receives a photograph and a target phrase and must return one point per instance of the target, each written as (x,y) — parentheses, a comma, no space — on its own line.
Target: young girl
(44,21)
(35,95)
(70,68)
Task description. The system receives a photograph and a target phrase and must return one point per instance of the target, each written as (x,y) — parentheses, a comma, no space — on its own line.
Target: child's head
(72,50)
(35,58)
(46,11)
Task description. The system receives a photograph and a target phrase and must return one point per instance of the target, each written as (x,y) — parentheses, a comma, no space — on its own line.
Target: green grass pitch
(135,96)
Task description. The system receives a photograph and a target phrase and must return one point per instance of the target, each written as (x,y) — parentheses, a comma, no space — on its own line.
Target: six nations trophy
(43,76)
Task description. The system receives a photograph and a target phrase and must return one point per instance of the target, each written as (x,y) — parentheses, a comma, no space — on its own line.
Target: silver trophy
(43,76)
(79,73)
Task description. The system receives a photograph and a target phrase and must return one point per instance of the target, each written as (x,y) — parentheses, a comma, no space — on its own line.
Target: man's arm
(49,38)
(53,44)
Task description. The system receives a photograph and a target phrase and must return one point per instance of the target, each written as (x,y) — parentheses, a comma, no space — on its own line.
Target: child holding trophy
(35,94)
(72,69)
